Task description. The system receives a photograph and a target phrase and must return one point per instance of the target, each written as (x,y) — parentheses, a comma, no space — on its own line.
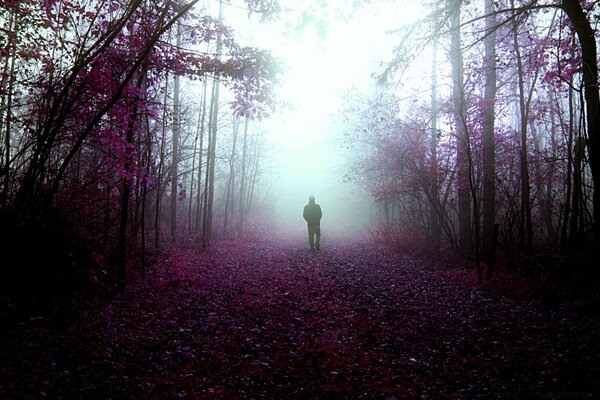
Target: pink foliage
(95,101)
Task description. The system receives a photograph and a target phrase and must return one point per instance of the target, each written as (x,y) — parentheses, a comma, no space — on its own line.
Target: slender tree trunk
(229,199)
(253,181)
(161,167)
(192,182)
(205,232)
(476,214)
(145,186)
(568,176)
(526,223)
(462,158)
(489,143)
(107,213)
(123,222)
(243,179)
(210,167)
(548,189)
(201,119)
(159,194)
(175,156)
(434,216)
(212,145)
(574,236)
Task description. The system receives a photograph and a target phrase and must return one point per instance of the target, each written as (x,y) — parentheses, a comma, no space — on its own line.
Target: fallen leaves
(278,321)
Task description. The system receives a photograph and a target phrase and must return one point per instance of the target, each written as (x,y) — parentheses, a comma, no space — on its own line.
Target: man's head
(311,199)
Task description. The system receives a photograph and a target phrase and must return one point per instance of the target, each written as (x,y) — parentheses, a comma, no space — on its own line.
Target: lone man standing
(312,214)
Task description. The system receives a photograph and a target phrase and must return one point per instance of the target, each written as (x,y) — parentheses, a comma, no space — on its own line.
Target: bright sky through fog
(305,137)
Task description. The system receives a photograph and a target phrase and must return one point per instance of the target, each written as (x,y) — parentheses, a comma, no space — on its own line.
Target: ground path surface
(276,321)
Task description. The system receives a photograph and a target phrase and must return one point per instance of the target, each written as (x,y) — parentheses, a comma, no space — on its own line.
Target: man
(312,214)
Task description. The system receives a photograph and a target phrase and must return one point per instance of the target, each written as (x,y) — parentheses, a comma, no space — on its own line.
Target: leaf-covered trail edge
(275,321)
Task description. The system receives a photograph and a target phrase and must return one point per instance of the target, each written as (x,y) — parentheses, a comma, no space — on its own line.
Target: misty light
(306,133)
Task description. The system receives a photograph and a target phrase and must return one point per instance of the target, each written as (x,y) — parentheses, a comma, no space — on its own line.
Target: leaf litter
(277,321)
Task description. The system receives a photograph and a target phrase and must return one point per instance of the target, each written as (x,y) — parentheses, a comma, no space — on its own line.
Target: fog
(315,164)
(305,134)
(306,138)
(336,51)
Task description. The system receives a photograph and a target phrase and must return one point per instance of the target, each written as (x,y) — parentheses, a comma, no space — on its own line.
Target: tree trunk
(210,167)
(589,60)
(568,175)
(229,197)
(253,181)
(175,155)
(192,183)
(243,179)
(526,226)
(161,167)
(201,119)
(212,146)
(549,186)
(574,235)
(489,143)
(145,194)
(462,159)
(434,216)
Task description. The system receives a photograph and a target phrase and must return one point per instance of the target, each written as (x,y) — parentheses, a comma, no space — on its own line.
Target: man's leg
(311,237)
(318,236)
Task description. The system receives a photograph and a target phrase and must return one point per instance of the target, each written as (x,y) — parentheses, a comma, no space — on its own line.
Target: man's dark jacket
(312,213)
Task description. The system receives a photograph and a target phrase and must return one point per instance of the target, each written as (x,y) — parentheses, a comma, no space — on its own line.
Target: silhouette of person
(312,214)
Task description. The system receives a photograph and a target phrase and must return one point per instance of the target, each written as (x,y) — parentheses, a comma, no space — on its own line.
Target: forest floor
(277,321)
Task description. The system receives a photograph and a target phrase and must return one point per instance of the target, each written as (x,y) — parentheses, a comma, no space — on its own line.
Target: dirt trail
(281,322)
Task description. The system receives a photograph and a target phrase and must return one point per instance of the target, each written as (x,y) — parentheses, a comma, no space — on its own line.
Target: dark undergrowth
(546,278)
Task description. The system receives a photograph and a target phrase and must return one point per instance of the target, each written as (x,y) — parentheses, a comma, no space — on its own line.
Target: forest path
(282,322)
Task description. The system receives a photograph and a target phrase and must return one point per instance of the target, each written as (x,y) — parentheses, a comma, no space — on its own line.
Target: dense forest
(102,150)
(499,157)
(133,136)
